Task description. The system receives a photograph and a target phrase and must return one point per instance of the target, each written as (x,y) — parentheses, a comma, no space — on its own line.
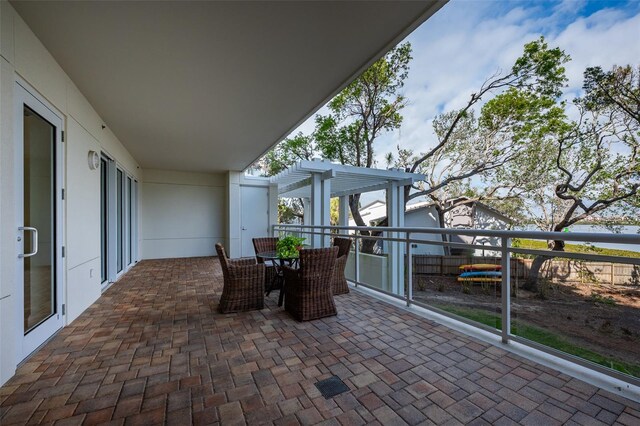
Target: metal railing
(406,237)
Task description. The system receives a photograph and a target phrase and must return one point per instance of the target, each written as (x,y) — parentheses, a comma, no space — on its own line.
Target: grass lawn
(544,337)
(574,248)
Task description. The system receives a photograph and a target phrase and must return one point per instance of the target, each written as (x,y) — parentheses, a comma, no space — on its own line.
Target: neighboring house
(423,215)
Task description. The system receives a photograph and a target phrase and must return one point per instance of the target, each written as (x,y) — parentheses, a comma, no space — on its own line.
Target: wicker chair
(340,285)
(308,290)
(261,245)
(243,288)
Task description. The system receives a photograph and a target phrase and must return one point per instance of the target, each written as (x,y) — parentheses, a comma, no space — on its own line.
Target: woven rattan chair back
(309,291)
(243,288)
(340,285)
(264,244)
(343,244)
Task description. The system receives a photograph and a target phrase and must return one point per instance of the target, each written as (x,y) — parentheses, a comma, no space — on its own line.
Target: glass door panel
(39,178)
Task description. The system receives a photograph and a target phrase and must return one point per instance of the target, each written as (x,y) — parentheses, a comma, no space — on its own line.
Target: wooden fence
(560,270)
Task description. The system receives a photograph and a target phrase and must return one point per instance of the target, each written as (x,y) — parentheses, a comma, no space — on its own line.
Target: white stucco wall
(184,213)
(22,56)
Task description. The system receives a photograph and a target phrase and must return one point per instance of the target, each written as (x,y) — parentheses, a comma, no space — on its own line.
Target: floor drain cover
(331,387)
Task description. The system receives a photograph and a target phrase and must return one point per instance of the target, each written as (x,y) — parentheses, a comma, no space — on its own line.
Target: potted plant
(289,246)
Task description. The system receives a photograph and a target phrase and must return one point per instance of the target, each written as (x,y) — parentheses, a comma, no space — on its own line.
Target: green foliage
(541,69)
(289,246)
(602,300)
(366,108)
(286,153)
(618,88)
(290,210)
(473,153)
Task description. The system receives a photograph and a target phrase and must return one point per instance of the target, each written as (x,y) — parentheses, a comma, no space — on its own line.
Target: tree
(521,114)
(358,115)
(594,165)
(285,154)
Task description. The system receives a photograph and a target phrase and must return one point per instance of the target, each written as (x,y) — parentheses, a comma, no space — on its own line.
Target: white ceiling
(211,86)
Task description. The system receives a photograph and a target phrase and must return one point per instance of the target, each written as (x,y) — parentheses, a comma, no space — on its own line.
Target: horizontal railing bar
(534,252)
(538,235)
(401,240)
(579,256)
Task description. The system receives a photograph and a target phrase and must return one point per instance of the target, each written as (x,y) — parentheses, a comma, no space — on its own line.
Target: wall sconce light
(94,160)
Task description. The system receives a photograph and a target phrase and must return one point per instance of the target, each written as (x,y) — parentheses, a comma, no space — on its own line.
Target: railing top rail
(538,235)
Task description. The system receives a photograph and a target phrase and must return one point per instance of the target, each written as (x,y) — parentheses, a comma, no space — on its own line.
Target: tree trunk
(366,245)
(446,250)
(531,282)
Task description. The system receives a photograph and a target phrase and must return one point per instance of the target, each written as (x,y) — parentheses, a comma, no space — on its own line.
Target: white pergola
(317,181)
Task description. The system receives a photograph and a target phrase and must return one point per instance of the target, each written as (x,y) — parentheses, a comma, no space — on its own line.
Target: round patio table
(278,262)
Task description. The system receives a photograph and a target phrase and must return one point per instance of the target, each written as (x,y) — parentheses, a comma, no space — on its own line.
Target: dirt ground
(602,318)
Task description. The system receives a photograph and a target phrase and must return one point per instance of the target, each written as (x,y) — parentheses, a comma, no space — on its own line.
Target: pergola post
(316,207)
(343,212)
(395,218)
(306,211)
(326,210)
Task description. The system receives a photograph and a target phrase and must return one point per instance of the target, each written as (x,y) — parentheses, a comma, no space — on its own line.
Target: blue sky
(468,40)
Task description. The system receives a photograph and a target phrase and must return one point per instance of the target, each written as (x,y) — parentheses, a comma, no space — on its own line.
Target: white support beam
(293,186)
(401,247)
(326,210)
(316,207)
(273,207)
(306,211)
(343,212)
(393,247)
(375,187)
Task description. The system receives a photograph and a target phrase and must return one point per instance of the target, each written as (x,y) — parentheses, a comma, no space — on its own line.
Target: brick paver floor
(153,349)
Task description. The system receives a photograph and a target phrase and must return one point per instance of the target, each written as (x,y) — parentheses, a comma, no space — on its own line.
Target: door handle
(34,243)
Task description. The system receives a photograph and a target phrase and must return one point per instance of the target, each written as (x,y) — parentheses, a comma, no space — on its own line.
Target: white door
(254,216)
(39,232)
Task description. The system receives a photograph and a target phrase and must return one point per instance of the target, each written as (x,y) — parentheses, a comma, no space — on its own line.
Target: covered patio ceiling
(211,86)
(296,182)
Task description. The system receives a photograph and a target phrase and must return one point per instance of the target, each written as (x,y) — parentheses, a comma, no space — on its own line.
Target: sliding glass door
(118,226)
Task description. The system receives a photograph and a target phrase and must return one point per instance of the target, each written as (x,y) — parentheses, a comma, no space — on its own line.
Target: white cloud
(467,41)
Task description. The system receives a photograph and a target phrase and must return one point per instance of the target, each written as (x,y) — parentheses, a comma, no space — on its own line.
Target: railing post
(409,269)
(357,258)
(506,289)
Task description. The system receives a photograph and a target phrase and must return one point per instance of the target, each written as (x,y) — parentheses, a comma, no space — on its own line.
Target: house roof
(425,204)
(295,182)
(210,86)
